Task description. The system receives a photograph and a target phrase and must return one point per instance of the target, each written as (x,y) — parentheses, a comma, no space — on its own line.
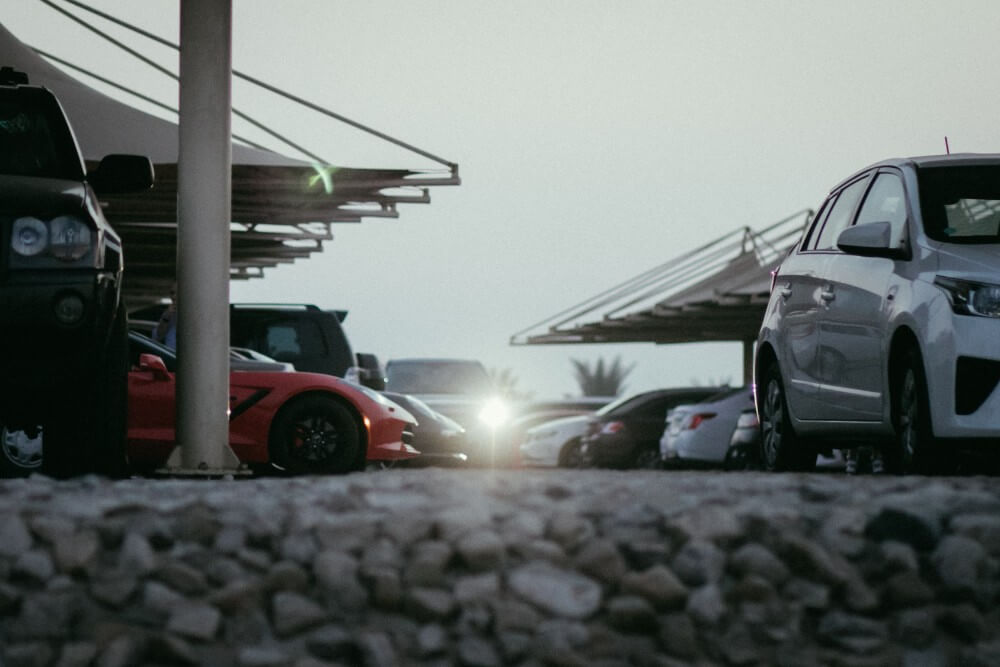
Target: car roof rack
(12,77)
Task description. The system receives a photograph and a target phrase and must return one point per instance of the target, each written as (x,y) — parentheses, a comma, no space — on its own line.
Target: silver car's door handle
(826,295)
(785,291)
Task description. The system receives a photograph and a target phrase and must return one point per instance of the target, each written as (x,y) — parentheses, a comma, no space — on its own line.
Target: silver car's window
(840,215)
(961,204)
(886,202)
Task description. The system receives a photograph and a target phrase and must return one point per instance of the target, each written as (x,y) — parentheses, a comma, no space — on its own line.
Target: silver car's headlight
(29,237)
(971,298)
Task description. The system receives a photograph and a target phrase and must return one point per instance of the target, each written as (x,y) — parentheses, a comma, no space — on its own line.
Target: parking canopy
(282,208)
(717,292)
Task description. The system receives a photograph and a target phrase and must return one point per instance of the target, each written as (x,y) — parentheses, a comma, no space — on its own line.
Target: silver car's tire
(780,447)
(914,448)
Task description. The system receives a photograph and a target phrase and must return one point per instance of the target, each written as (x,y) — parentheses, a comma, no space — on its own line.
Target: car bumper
(957,409)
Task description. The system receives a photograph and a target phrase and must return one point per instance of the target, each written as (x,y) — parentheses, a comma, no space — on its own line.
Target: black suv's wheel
(20,452)
(315,434)
(914,448)
(780,447)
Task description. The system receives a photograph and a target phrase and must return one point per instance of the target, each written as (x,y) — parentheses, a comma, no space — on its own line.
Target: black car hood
(22,195)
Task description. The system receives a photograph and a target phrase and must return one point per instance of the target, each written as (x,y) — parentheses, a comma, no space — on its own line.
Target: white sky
(595,140)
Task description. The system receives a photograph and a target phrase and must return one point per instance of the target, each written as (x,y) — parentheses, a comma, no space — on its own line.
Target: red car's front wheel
(317,435)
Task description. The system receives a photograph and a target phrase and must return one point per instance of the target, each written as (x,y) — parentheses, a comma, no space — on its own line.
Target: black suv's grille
(975,380)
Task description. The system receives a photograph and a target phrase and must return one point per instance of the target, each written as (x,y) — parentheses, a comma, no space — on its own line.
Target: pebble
(482,568)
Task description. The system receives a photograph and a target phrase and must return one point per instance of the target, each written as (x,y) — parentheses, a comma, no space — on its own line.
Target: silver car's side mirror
(871,239)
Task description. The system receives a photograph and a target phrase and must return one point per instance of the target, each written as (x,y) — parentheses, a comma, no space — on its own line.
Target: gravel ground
(479,567)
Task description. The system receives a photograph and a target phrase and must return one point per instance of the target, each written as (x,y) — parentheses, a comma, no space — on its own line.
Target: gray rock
(642,554)
(809,559)
(658,585)
(843,531)
(427,564)
(601,560)
(293,613)
(631,613)
(230,539)
(807,593)
(333,642)
(856,634)
(710,523)
(907,589)
(570,530)
(182,577)
(699,563)
(557,591)
(377,649)
(113,589)
(983,528)
(429,604)
(477,587)
(299,548)
(679,636)
(77,654)
(738,646)
(705,605)
(169,650)
(963,621)
(47,615)
(477,652)
(754,558)
(50,528)
(541,549)
(386,589)
(431,640)
(481,549)
(236,595)
(513,645)
(122,651)
(898,557)
(514,615)
(286,575)
(262,656)
(137,557)
(915,525)
(915,627)
(197,621)
(961,564)
(160,598)
(255,559)
(34,564)
(14,536)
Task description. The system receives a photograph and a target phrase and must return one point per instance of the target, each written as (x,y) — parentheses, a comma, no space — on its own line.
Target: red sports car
(288,421)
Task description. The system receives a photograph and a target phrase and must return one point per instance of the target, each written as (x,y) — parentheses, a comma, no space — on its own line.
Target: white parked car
(555,443)
(700,433)
(883,322)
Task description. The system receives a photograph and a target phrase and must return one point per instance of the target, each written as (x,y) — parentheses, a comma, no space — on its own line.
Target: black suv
(62,321)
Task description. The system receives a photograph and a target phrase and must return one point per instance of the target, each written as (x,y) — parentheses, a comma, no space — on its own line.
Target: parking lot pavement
(437,566)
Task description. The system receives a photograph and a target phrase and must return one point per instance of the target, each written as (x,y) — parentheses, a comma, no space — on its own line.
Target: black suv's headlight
(971,298)
(64,237)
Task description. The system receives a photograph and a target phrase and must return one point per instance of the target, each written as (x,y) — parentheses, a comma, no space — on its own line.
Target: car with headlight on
(286,422)
(883,321)
(63,350)
(460,389)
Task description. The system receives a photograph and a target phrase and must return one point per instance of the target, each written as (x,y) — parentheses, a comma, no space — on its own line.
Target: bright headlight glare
(494,413)
(971,298)
(69,238)
(29,236)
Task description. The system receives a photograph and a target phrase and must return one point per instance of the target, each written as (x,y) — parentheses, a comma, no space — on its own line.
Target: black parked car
(441,440)
(63,345)
(628,435)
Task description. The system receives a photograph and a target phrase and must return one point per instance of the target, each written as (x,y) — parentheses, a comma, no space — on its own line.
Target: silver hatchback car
(883,324)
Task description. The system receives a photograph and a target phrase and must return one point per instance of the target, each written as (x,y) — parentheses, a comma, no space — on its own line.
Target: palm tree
(506,384)
(601,380)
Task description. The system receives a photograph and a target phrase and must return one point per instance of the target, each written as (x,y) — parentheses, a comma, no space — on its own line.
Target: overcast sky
(595,140)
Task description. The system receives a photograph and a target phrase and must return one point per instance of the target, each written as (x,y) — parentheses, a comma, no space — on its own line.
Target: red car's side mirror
(154,364)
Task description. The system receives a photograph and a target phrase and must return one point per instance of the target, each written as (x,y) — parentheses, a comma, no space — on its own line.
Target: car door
(151,413)
(853,320)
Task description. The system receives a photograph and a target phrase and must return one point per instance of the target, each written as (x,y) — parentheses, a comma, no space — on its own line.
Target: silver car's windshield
(961,204)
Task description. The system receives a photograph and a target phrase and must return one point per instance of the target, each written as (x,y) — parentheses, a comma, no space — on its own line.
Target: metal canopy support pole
(748,344)
(204,179)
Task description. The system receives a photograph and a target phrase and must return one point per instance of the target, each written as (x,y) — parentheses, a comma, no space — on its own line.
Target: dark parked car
(628,436)
(440,439)
(63,347)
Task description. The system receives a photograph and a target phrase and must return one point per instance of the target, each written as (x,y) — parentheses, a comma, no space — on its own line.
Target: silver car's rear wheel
(21,452)
(780,448)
